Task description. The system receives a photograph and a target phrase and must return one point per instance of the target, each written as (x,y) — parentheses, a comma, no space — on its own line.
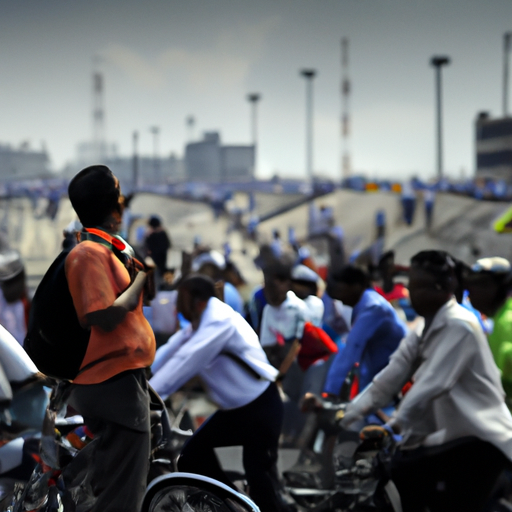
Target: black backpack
(55,340)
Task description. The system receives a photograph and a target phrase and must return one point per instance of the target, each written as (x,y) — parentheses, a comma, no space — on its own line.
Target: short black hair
(350,274)
(94,194)
(154,221)
(199,286)
(280,268)
(440,265)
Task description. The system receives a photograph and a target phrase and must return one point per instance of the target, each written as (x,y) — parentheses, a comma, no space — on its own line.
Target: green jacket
(500,341)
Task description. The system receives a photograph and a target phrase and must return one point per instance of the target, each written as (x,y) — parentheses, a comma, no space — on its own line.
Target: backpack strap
(116,244)
(249,369)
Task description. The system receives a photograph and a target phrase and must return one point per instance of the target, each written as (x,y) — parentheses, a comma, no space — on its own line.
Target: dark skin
(349,294)
(191,308)
(426,294)
(486,293)
(275,289)
(109,318)
(303,290)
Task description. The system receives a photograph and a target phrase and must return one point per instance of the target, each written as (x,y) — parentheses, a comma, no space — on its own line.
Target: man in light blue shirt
(375,334)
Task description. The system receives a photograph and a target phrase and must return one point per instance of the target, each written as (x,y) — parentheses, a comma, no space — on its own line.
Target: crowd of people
(430,344)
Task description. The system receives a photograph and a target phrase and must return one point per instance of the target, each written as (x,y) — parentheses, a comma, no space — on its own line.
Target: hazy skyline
(164,60)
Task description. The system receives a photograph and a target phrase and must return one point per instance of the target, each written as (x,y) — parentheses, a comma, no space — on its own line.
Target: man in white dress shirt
(456,428)
(222,348)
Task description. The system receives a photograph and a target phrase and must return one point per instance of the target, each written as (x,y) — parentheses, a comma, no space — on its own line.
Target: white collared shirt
(286,320)
(456,390)
(189,353)
(15,365)
(316,309)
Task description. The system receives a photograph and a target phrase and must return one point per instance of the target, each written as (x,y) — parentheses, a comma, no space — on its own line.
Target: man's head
(155,222)
(194,292)
(348,284)
(304,281)
(432,281)
(95,196)
(209,263)
(489,283)
(277,278)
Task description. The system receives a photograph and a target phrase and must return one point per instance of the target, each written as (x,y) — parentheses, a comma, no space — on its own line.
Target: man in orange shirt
(111,389)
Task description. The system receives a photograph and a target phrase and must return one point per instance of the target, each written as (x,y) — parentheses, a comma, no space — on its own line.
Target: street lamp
(438,62)
(309,74)
(253,99)
(507,39)
(190,122)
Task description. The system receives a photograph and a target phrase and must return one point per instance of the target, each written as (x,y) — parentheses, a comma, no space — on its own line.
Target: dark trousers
(117,413)
(256,427)
(458,476)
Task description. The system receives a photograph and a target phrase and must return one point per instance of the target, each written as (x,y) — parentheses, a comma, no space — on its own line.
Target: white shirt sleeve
(436,376)
(388,382)
(191,357)
(166,351)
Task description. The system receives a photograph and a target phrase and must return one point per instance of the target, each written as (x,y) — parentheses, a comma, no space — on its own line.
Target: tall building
(493,145)
(209,160)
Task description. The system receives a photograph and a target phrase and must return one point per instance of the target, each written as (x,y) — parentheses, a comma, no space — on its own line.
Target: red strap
(109,238)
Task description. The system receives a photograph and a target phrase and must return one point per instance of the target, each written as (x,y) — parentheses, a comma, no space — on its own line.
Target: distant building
(23,163)
(149,171)
(494,147)
(209,160)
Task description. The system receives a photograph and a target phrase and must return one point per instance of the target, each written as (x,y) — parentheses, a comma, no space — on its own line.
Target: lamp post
(507,40)
(190,122)
(253,99)
(309,74)
(438,62)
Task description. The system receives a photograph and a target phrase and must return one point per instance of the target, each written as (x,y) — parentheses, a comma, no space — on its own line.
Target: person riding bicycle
(489,284)
(222,348)
(456,429)
(375,333)
(111,390)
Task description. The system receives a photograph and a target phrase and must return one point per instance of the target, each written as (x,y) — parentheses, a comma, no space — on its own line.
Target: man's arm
(439,375)
(89,275)
(362,331)
(388,382)
(109,318)
(195,354)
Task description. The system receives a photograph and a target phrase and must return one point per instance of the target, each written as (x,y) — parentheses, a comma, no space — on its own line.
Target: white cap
(212,257)
(303,273)
(10,264)
(495,265)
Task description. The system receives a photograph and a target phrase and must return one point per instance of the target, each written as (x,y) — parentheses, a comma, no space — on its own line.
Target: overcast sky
(164,60)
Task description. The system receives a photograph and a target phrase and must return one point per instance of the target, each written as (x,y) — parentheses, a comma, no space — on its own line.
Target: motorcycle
(57,482)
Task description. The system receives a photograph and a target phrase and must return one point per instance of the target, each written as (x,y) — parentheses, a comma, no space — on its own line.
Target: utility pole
(253,99)
(438,62)
(190,121)
(155,130)
(507,39)
(345,89)
(135,160)
(98,113)
(309,74)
